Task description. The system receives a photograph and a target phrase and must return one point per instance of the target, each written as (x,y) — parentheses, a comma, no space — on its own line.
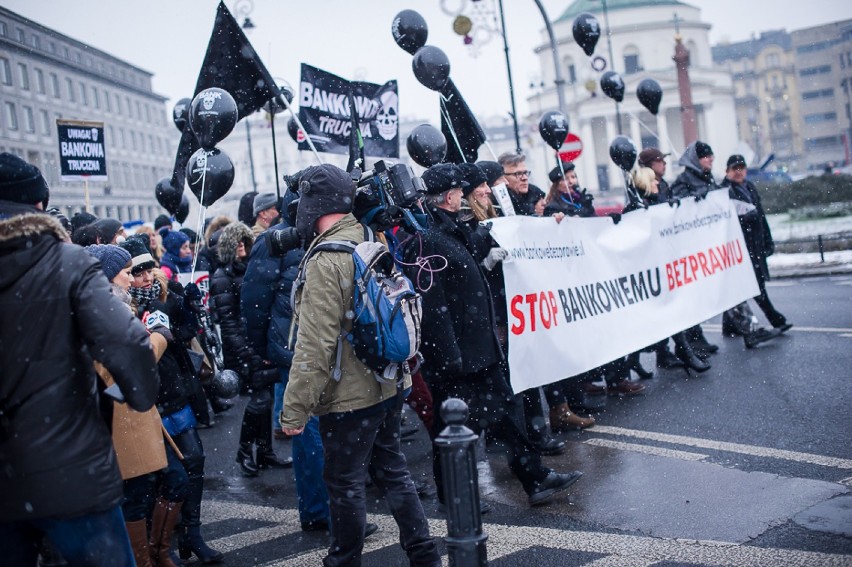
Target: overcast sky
(352,38)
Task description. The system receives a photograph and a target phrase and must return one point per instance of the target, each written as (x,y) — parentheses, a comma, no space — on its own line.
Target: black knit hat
(736,160)
(162,221)
(82,219)
(473,176)
(324,189)
(139,253)
(703,150)
(556,174)
(493,171)
(21,182)
(107,228)
(443,177)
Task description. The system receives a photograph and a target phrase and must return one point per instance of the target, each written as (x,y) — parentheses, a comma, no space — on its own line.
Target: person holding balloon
(564,196)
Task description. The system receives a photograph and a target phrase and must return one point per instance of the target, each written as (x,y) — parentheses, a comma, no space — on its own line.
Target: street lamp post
(243,8)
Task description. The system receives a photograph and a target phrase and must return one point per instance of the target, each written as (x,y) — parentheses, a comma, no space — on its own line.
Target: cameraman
(265,305)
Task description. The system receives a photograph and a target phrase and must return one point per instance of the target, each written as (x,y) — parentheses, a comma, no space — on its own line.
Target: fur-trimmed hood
(232,235)
(24,239)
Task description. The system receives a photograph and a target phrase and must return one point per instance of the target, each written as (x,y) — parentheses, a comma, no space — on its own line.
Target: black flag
(468,132)
(230,64)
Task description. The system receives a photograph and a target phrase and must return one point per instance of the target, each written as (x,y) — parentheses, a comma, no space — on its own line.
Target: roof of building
(596,6)
(751,47)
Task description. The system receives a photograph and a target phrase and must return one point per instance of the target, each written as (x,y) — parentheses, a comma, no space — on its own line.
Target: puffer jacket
(56,312)
(323,306)
(225,288)
(758,236)
(693,181)
(459,332)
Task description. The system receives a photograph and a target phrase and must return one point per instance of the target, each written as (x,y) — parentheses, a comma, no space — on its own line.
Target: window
(66,53)
(96,98)
(21,36)
(5,71)
(39,75)
(631,60)
(142,143)
(106,101)
(129,108)
(36,42)
(111,139)
(133,141)
(53,47)
(3,29)
(121,137)
(117,104)
(824,93)
(773,60)
(147,113)
(54,85)
(25,76)
(823,143)
(810,71)
(138,110)
(11,116)
(817,46)
(820,117)
(45,122)
(29,120)
(84,95)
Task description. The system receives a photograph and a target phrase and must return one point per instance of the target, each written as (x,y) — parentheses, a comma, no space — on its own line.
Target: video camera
(388,195)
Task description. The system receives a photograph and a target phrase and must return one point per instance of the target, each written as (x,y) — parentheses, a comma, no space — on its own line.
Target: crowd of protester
(116,475)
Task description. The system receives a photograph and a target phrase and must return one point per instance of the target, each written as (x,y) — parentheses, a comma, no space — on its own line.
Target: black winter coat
(525,203)
(225,286)
(691,183)
(56,308)
(758,237)
(581,207)
(459,335)
(265,300)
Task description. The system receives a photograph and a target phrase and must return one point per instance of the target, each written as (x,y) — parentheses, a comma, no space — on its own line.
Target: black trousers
(190,446)
(493,407)
(355,445)
(775,318)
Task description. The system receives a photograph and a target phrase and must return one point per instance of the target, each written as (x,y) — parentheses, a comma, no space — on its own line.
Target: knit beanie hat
(137,246)
(324,189)
(107,229)
(264,201)
(493,171)
(82,219)
(112,258)
(193,236)
(162,221)
(173,240)
(443,177)
(21,182)
(703,150)
(473,176)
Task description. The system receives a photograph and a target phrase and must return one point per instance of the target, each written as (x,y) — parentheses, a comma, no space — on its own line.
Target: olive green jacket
(323,306)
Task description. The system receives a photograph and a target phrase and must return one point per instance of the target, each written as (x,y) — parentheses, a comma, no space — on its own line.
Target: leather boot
(165,518)
(635,365)
(666,358)
(683,350)
(190,540)
(563,419)
(266,457)
(245,457)
(138,533)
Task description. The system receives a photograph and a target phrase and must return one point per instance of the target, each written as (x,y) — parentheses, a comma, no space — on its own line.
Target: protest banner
(324,110)
(586,291)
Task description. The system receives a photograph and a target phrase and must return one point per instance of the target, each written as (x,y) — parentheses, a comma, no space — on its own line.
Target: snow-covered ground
(785,229)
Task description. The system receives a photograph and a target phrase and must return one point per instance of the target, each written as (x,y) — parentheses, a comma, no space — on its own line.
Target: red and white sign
(572,148)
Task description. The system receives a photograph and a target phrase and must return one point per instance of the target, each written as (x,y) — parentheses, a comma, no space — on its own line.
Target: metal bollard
(821,250)
(457,444)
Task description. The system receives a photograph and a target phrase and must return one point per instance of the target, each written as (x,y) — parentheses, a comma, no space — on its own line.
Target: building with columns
(643,45)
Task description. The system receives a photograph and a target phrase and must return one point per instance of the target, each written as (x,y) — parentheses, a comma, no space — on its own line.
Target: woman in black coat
(234,247)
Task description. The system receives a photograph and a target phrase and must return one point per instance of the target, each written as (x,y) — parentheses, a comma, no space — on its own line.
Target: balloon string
(301,127)
(655,134)
(565,179)
(446,114)
(490,149)
(201,212)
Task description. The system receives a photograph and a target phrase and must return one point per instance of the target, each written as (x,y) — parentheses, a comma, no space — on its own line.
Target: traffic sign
(572,148)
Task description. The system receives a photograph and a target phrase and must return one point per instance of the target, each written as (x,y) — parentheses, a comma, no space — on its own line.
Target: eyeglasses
(519,174)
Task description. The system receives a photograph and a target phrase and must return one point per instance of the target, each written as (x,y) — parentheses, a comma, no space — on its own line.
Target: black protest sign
(324,110)
(82,152)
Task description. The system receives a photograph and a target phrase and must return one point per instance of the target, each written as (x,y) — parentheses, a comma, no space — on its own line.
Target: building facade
(823,61)
(767,96)
(642,34)
(46,76)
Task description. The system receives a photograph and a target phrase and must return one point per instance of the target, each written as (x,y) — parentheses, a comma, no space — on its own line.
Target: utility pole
(511,85)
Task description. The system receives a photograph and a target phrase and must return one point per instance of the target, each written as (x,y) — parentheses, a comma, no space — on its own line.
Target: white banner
(586,291)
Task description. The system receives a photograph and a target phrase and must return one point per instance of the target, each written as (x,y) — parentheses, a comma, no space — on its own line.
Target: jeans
(141,491)
(353,446)
(278,404)
(91,540)
(308,464)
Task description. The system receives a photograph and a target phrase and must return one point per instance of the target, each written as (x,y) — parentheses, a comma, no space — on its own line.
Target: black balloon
(587,31)
(622,151)
(211,171)
(553,127)
(183,209)
(276,104)
(409,31)
(426,145)
(613,85)
(293,129)
(650,94)
(180,113)
(168,195)
(212,116)
(431,67)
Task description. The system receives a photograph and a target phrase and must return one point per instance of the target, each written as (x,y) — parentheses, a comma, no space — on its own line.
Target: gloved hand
(494,257)
(191,292)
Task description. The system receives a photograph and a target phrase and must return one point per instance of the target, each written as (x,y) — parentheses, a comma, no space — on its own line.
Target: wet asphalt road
(748,464)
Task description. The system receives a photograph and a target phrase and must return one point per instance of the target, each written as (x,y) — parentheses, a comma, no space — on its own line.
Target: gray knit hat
(263,201)
(112,258)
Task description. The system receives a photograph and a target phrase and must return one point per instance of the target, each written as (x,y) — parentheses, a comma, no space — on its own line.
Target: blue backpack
(387,311)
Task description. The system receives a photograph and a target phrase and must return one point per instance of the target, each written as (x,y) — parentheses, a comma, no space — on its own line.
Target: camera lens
(282,241)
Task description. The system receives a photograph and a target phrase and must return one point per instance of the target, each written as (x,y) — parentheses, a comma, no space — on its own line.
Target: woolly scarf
(145,295)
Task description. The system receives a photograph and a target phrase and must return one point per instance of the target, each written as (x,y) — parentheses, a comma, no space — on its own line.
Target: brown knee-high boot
(138,533)
(163,522)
